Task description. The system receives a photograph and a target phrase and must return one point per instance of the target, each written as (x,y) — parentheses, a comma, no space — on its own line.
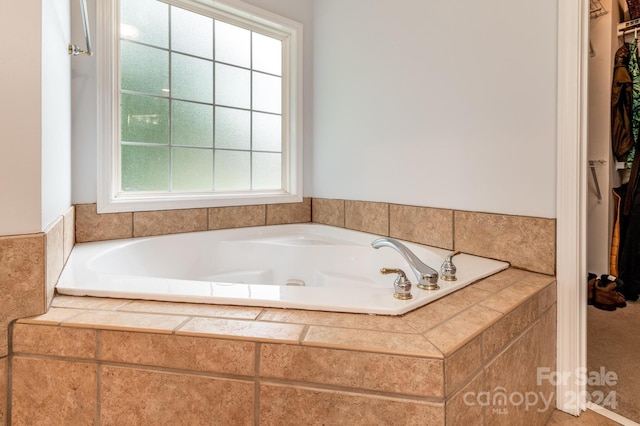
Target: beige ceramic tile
(502,279)
(352,369)
(281,405)
(509,326)
(91,226)
(131,396)
(181,352)
(457,331)
(163,222)
(53,340)
(3,390)
(192,309)
(434,313)
(237,216)
(462,364)
(69,238)
(422,225)
(515,371)
(547,346)
(538,280)
(289,212)
(85,302)
(128,321)
(525,242)
(547,298)
(53,316)
(328,212)
(369,340)
(466,408)
(511,297)
(258,331)
(336,319)
(367,217)
(50,392)
(54,245)
(22,280)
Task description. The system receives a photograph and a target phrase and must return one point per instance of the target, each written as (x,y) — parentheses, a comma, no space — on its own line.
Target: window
(199,105)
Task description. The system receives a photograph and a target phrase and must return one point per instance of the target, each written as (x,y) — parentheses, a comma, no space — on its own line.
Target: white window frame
(110,198)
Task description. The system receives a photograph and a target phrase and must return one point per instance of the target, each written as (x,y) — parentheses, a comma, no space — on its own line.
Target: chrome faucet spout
(427,277)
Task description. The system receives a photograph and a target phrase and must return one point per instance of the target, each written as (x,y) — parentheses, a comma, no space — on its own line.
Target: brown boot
(607,297)
(591,283)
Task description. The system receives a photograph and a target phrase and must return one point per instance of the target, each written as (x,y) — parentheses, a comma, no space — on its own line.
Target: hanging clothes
(622,105)
(629,248)
(616,235)
(634,72)
(625,131)
(632,163)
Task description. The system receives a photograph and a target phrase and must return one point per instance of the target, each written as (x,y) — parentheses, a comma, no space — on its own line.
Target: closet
(613,232)
(612,336)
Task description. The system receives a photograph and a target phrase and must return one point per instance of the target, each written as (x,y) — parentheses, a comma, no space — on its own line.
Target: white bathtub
(305,266)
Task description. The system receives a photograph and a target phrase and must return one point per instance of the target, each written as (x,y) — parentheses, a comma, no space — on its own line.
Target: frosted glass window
(267,54)
(191,124)
(232,170)
(191,33)
(201,107)
(233,128)
(192,169)
(144,119)
(267,132)
(233,86)
(233,44)
(145,168)
(144,69)
(145,21)
(267,93)
(266,171)
(191,78)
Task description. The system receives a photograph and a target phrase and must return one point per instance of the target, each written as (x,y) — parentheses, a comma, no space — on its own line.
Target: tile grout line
(98,374)
(9,373)
(256,384)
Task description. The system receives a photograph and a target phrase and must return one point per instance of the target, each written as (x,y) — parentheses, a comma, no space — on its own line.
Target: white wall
(445,104)
(84,144)
(56,110)
(604,43)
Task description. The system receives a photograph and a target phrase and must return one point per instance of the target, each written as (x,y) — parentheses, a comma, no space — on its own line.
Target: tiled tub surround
(27,270)
(107,361)
(526,242)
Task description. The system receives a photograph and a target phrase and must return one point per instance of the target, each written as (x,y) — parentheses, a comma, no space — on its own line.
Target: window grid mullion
(170,101)
(251,110)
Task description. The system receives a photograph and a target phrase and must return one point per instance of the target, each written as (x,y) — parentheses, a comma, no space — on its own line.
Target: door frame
(571,225)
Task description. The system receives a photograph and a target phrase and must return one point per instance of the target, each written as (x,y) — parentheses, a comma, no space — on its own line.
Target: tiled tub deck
(124,362)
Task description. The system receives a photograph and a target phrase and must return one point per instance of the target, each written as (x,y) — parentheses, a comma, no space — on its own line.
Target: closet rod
(628,26)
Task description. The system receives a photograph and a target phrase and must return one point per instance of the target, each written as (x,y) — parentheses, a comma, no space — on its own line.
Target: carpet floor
(613,348)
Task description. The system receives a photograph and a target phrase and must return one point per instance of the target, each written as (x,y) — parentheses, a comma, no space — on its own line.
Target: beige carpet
(613,343)
(587,418)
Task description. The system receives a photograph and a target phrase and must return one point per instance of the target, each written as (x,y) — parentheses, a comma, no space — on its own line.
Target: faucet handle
(401,286)
(448,269)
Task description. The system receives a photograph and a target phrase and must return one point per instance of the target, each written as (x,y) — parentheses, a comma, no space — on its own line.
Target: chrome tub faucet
(427,277)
